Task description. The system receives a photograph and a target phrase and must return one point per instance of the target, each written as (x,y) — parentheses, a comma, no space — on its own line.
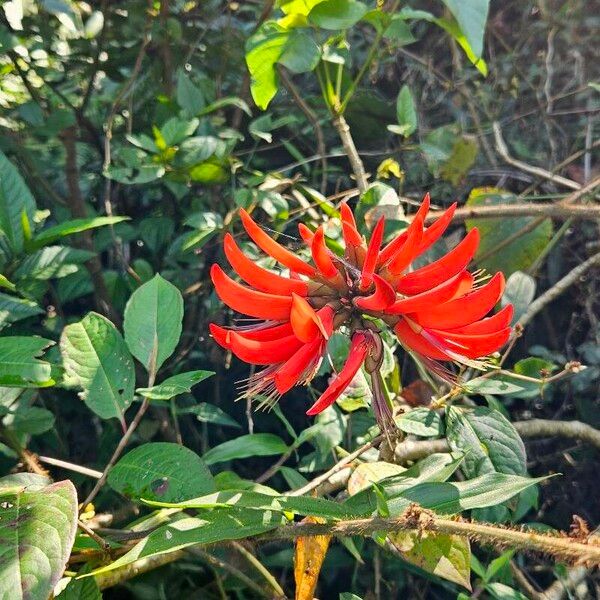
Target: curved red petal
(256,276)
(298,366)
(305,233)
(248,301)
(476,346)
(500,320)
(442,269)
(415,341)
(306,323)
(349,229)
(383,296)
(408,252)
(442,293)
(465,310)
(388,252)
(274,249)
(358,352)
(263,352)
(435,231)
(321,255)
(368,269)
(220,335)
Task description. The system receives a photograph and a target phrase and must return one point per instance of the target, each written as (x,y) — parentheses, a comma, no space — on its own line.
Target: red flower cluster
(437,311)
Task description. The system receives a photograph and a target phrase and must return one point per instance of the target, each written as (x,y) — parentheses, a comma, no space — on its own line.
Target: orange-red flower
(437,311)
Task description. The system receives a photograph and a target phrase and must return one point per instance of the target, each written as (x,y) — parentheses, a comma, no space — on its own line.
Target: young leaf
(161,471)
(406,112)
(209,413)
(174,386)
(19,363)
(37,531)
(152,322)
(254,444)
(96,359)
(337,14)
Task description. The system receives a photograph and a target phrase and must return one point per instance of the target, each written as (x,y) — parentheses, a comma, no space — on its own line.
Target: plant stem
(351,152)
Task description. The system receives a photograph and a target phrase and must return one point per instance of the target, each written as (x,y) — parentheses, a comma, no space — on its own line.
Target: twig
(418,519)
(559,288)
(337,467)
(274,468)
(538,171)
(99,540)
(56,462)
(260,568)
(28,458)
(351,152)
(314,121)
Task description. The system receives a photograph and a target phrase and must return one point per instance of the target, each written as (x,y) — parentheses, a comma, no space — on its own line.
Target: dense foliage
(137,138)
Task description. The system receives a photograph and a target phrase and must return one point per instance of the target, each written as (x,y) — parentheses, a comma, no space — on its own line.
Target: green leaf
(337,14)
(244,446)
(152,323)
(406,112)
(31,420)
(137,174)
(19,364)
(519,254)
(501,591)
(272,44)
(79,589)
(447,556)
(492,442)
(176,130)
(52,234)
(223,102)
(218,526)
(471,16)
(16,309)
(421,421)
(96,359)
(161,471)
(15,201)
(50,262)
(175,385)
(37,531)
(209,413)
(520,292)
(461,159)
(189,96)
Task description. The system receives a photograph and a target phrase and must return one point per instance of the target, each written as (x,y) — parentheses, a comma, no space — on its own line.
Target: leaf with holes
(161,471)
(96,359)
(152,322)
(37,531)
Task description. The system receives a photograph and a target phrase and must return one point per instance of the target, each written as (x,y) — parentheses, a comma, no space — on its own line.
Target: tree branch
(351,152)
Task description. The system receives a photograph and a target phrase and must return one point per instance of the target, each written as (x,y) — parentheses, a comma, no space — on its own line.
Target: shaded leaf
(20,365)
(209,413)
(244,446)
(175,385)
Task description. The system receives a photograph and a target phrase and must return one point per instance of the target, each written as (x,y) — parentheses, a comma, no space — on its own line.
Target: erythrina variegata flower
(438,311)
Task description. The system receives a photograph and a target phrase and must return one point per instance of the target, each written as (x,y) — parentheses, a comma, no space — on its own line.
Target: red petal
(321,255)
(383,296)
(248,301)
(439,271)
(415,341)
(263,332)
(220,335)
(305,233)
(492,324)
(358,352)
(442,293)
(405,255)
(475,346)
(465,310)
(272,248)
(435,231)
(388,252)
(305,322)
(349,230)
(296,368)
(258,277)
(263,353)
(372,254)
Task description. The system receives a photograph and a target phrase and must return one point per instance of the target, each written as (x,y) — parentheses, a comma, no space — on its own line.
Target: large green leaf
(217,526)
(57,232)
(96,359)
(517,255)
(337,14)
(20,365)
(174,386)
(16,204)
(37,530)
(14,309)
(471,16)
(488,438)
(161,471)
(152,322)
(244,446)
(273,44)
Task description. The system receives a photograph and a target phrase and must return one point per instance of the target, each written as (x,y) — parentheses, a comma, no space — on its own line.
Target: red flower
(437,311)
